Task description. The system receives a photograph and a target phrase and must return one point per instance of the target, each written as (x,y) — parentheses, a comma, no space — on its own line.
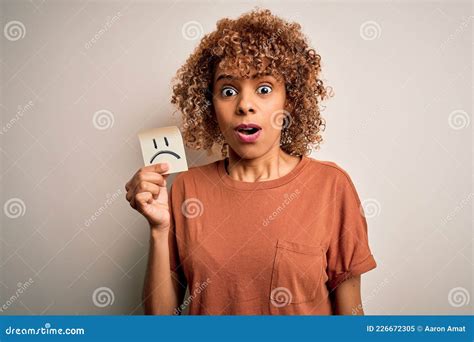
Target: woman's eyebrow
(231,77)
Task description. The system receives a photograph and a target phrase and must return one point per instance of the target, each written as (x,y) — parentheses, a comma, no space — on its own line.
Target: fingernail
(165,166)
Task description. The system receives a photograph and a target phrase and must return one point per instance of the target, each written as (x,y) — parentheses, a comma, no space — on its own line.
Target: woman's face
(260,101)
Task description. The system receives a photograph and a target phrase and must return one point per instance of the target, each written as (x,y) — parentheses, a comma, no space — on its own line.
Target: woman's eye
(265,89)
(227,91)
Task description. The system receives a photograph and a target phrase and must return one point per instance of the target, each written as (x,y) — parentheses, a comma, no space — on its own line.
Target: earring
(224,149)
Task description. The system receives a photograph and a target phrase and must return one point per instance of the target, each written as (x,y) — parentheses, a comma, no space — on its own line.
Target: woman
(267,229)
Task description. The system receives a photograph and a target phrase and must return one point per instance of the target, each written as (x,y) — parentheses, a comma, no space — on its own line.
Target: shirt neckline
(267,184)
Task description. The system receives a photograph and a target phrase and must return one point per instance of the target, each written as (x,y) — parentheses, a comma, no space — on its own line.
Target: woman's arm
(162,293)
(346,298)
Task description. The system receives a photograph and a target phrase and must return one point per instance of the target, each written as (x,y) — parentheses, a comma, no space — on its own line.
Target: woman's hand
(147,193)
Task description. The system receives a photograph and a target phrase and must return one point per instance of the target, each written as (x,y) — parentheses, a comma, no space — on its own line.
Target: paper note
(164,144)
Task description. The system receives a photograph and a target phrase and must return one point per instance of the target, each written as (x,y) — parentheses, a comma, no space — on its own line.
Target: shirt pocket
(297,274)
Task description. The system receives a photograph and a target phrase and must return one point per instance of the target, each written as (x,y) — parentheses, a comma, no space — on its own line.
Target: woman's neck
(272,165)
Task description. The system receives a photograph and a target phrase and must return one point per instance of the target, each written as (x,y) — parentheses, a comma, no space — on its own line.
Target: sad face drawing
(163,151)
(164,144)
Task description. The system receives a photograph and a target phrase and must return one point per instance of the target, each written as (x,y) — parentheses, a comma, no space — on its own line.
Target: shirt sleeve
(348,254)
(174,233)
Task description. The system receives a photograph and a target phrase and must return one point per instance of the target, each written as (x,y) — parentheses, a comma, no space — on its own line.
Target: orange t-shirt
(269,247)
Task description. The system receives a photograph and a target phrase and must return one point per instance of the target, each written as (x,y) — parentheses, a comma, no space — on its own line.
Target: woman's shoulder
(334,172)
(328,168)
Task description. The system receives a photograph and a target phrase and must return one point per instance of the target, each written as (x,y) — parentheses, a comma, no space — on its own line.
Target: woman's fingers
(147,179)
(143,198)
(151,177)
(147,187)
(147,193)
(141,187)
(160,168)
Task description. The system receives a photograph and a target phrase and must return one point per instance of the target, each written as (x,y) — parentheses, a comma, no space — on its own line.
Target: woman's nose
(245,105)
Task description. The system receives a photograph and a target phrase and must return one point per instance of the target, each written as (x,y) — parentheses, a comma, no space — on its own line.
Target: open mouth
(248,131)
(248,134)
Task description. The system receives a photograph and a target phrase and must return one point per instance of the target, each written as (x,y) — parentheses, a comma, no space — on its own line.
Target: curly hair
(241,44)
